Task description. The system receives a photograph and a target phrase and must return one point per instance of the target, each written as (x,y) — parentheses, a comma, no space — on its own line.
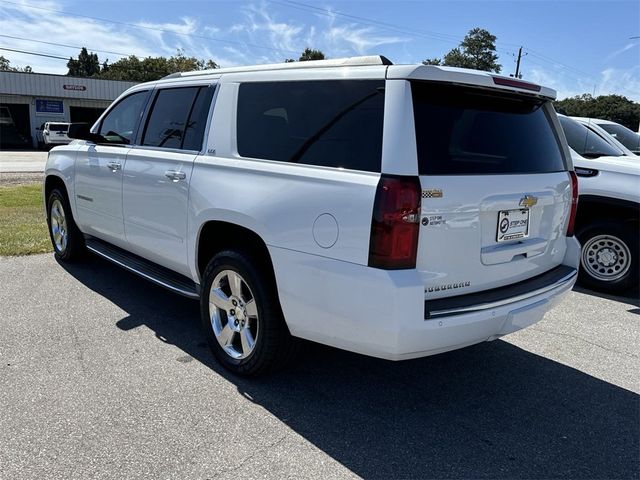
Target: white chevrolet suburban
(608,219)
(393,210)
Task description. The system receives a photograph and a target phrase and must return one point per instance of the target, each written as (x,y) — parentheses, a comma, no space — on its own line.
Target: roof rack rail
(369,60)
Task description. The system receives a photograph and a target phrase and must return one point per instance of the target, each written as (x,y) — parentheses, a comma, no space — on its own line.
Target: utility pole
(518,63)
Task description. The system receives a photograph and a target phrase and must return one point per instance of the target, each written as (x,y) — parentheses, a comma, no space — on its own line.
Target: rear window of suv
(334,123)
(59,127)
(470,131)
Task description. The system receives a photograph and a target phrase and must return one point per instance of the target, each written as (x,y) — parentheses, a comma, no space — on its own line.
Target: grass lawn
(23,228)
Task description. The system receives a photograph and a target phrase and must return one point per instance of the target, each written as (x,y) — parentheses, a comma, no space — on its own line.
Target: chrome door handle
(114,166)
(174,176)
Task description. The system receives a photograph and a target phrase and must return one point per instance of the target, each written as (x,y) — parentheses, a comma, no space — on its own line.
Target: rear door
(495,188)
(158,172)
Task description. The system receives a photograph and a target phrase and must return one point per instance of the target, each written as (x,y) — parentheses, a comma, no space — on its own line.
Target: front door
(99,170)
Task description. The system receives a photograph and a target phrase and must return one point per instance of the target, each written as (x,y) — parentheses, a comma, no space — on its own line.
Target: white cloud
(614,54)
(262,35)
(28,23)
(619,81)
(361,40)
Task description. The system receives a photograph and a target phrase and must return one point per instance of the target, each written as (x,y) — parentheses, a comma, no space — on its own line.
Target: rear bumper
(382,313)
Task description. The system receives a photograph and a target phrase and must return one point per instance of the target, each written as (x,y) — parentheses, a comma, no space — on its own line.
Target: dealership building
(27,100)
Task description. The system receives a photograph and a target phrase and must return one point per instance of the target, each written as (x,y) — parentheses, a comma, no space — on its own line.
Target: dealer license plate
(513,224)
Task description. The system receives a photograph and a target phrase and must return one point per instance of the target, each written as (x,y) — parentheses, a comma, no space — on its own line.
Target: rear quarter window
(470,131)
(336,123)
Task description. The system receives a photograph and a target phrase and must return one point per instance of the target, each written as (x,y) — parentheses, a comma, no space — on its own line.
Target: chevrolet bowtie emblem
(528,201)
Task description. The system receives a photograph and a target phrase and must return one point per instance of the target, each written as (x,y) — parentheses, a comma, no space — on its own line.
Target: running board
(144,268)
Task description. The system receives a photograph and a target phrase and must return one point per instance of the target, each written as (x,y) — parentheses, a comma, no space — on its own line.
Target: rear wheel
(66,238)
(609,260)
(242,317)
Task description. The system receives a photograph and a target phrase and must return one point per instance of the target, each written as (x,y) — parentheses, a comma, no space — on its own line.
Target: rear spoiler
(469,77)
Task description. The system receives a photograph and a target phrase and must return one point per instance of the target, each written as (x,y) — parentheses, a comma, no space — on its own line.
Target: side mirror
(80,131)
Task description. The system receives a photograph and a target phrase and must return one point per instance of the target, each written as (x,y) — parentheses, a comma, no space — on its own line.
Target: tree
(310,54)
(607,107)
(432,61)
(86,65)
(5,66)
(476,51)
(135,69)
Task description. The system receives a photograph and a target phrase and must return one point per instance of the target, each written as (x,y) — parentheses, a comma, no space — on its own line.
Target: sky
(576,47)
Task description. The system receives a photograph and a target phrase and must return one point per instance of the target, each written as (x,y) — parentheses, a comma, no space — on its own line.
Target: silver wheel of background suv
(606,258)
(234,314)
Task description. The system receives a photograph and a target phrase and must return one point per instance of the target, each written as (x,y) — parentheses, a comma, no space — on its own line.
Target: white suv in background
(608,218)
(629,139)
(396,211)
(55,133)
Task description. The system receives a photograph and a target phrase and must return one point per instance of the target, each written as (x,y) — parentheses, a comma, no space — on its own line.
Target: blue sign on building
(49,107)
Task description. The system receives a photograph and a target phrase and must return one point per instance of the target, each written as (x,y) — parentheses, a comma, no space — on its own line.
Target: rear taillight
(574,203)
(395,223)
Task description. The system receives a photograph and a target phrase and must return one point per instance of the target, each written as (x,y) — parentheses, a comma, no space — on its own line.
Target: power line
(426,34)
(147,27)
(445,37)
(114,67)
(34,53)
(551,60)
(448,38)
(65,45)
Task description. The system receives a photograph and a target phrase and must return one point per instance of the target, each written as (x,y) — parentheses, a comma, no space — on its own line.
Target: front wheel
(66,238)
(609,260)
(241,315)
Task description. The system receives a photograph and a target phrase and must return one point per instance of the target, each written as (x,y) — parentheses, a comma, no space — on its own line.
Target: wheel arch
(217,235)
(51,182)
(596,207)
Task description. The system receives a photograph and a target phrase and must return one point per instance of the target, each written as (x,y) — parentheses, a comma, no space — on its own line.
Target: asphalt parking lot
(103,375)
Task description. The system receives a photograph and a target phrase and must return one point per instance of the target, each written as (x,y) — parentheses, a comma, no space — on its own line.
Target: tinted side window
(335,123)
(467,131)
(121,121)
(168,119)
(194,132)
(584,141)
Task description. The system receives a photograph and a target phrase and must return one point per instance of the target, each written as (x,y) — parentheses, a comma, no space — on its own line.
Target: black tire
(619,238)
(274,346)
(73,248)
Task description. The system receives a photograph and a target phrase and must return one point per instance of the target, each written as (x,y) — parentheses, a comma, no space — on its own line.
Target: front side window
(119,125)
(335,123)
(585,142)
(178,117)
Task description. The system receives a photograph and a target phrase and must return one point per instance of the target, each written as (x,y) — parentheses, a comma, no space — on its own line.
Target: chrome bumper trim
(567,279)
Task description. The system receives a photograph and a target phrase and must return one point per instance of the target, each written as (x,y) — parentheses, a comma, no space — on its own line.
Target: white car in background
(614,134)
(55,133)
(608,210)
